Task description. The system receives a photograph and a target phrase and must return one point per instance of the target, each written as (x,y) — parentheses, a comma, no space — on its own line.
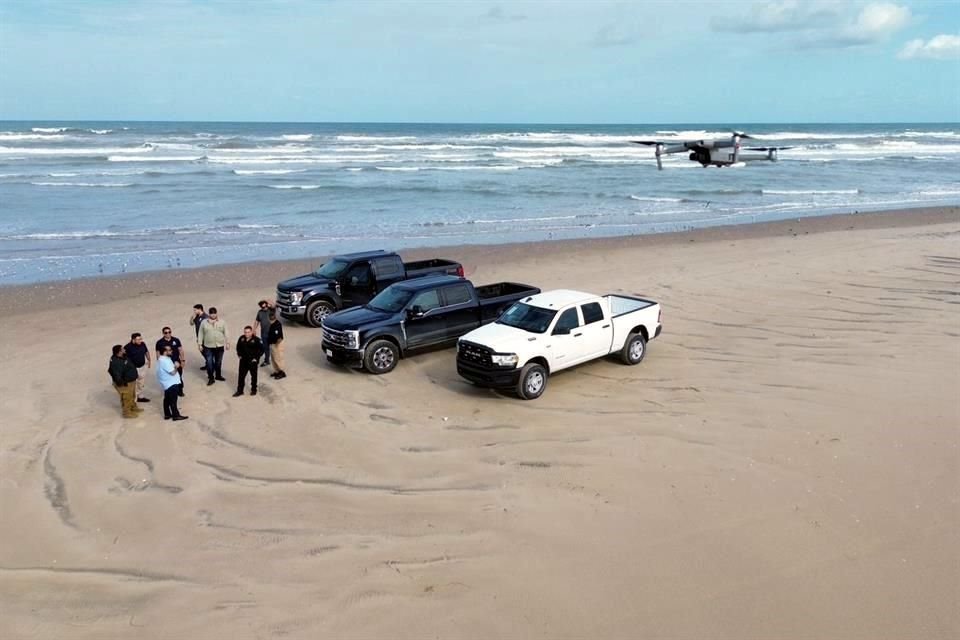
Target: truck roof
(428,282)
(363,254)
(558,298)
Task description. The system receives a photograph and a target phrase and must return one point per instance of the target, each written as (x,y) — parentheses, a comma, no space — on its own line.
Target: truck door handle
(606,326)
(577,335)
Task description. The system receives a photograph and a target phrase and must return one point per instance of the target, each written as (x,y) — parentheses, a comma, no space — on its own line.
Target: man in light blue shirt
(169,378)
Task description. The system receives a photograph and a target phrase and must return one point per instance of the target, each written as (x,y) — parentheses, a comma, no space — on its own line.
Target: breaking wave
(82,184)
(266,172)
(811,192)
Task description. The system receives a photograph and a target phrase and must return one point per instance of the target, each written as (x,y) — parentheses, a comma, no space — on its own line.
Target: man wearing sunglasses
(178,353)
(169,378)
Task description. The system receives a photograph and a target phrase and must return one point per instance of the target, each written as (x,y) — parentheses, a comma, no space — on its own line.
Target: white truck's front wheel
(634,349)
(532,382)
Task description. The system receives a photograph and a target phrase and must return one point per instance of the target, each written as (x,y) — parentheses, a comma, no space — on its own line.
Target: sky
(578,61)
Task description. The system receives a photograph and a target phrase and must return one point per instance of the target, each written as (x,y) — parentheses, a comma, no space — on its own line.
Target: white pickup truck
(552,331)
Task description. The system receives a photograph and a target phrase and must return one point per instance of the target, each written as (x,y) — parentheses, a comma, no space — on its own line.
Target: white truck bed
(626,313)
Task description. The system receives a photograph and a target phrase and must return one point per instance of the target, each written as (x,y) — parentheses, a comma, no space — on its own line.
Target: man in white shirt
(168,375)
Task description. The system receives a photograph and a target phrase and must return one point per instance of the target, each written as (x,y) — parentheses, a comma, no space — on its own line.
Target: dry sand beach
(784,464)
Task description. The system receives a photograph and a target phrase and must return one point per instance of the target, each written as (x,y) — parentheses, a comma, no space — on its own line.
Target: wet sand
(784,463)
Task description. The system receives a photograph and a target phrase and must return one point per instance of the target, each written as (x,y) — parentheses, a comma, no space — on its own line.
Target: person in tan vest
(124,375)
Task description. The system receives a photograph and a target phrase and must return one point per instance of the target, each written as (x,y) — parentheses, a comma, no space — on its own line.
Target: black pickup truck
(350,280)
(413,315)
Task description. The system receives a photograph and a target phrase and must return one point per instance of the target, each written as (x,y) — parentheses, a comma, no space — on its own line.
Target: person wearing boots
(275,342)
(212,341)
(124,375)
(249,350)
(139,354)
(261,327)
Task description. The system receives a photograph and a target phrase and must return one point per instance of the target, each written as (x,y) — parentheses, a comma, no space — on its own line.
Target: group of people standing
(129,362)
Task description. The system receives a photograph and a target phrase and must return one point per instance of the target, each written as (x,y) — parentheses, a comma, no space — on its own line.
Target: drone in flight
(723,152)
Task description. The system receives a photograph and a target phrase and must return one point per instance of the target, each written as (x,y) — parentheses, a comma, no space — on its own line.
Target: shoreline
(781,464)
(17,299)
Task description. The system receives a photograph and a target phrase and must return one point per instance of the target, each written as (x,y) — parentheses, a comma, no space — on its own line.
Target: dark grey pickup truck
(417,314)
(350,280)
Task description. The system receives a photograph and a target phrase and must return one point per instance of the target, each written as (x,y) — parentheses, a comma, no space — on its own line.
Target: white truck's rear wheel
(532,382)
(634,349)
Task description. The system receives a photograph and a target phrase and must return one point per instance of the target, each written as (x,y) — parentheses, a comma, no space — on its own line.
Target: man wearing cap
(261,327)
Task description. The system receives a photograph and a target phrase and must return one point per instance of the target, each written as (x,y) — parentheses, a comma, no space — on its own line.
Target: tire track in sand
(224,473)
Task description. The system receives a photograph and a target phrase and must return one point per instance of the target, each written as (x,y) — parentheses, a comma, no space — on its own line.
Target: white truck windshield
(527,317)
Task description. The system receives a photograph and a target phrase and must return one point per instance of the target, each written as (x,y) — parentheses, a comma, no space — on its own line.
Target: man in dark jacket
(249,350)
(275,344)
(124,375)
(197,316)
(261,327)
(139,354)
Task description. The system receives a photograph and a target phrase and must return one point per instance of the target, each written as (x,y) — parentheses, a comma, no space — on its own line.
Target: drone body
(724,152)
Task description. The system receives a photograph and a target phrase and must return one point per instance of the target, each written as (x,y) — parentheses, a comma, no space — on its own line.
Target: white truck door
(596,331)
(564,344)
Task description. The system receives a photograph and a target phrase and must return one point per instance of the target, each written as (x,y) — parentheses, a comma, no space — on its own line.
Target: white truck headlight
(505,359)
(353,339)
(296,297)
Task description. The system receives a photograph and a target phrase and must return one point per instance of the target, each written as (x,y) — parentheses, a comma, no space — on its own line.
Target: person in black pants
(249,350)
(168,375)
(197,317)
(212,341)
(261,327)
(179,354)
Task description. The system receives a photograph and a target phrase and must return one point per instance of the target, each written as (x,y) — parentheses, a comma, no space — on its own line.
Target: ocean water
(82,199)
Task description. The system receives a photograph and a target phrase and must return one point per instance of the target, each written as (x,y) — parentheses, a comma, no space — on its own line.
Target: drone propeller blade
(649,143)
(742,135)
(767,148)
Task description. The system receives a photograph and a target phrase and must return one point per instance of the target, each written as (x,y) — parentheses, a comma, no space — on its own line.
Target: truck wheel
(532,382)
(380,356)
(319,310)
(634,349)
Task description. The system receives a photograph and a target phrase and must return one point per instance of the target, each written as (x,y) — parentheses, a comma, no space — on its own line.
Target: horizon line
(504,122)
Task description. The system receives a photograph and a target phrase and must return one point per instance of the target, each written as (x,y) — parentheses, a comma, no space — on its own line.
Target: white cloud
(820,24)
(942,47)
(875,23)
(784,15)
(880,19)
